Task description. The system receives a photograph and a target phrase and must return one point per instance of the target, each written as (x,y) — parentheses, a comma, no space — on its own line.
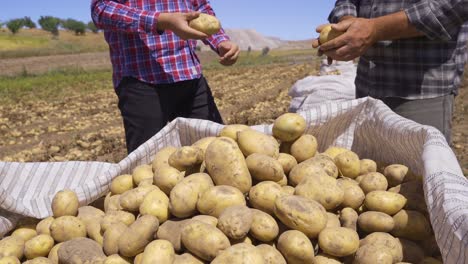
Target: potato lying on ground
(328,33)
(326,163)
(235,221)
(295,247)
(132,199)
(263,196)
(231,131)
(240,253)
(217,198)
(386,241)
(205,23)
(271,255)
(187,258)
(65,203)
(301,214)
(186,158)
(264,227)
(141,173)
(203,240)
(305,170)
(385,202)
(349,218)
(156,203)
(411,225)
(322,189)
(158,251)
(367,166)
(111,238)
(121,184)
(81,250)
(67,228)
(373,181)
(166,177)
(264,168)
(348,164)
(371,254)
(9,260)
(184,197)
(375,222)
(251,141)
(287,161)
(38,246)
(161,159)
(134,240)
(226,164)
(289,127)
(12,246)
(338,241)
(304,148)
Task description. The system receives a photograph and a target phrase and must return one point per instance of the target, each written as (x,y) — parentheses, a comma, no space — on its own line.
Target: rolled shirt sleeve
(438,19)
(343,8)
(214,40)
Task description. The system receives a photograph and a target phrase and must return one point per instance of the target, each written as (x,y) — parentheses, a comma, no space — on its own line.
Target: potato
(371,254)
(271,255)
(226,164)
(395,174)
(235,221)
(251,141)
(373,181)
(161,159)
(158,251)
(326,163)
(203,240)
(12,247)
(112,203)
(283,181)
(171,231)
(81,250)
(295,247)
(386,241)
(135,238)
(264,168)
(185,195)
(326,259)
(305,170)
(67,228)
(385,202)
(217,198)
(114,217)
(65,203)
(288,190)
(264,227)
(301,214)
(132,199)
(43,227)
(111,238)
(348,164)
(246,240)
(231,131)
(411,225)
(53,254)
(25,232)
(156,203)
(38,246)
(333,220)
(334,151)
(9,260)
(304,148)
(289,127)
(203,144)
(263,196)
(359,178)
(138,258)
(353,194)
(39,260)
(323,189)
(116,259)
(239,253)
(141,173)
(287,161)
(412,252)
(367,166)
(187,258)
(205,23)
(146,182)
(166,177)
(349,218)
(414,193)
(186,158)
(92,217)
(338,241)
(122,184)
(328,33)
(375,222)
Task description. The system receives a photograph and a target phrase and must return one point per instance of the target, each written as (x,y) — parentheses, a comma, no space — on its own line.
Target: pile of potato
(241,197)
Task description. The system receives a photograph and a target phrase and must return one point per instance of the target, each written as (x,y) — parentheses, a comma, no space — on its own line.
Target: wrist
(163,21)
(343,18)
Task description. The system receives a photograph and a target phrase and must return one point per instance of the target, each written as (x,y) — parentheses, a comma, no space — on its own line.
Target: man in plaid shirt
(156,73)
(412,53)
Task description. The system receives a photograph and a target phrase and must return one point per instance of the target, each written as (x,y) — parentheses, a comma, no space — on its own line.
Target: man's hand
(178,23)
(229,52)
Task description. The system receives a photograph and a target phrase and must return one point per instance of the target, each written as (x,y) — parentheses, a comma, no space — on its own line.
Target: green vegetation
(50,24)
(74,25)
(14,25)
(29,23)
(92,27)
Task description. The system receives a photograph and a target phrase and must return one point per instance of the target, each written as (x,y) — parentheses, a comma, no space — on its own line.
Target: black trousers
(147,108)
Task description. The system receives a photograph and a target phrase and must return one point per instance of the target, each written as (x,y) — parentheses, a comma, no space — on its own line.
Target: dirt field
(85,124)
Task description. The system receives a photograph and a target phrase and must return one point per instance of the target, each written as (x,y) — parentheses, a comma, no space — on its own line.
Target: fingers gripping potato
(205,23)
(328,34)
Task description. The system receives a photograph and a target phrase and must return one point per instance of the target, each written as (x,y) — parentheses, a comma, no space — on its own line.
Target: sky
(288,20)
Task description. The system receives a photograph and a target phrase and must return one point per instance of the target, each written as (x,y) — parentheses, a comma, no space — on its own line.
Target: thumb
(342,26)
(192,15)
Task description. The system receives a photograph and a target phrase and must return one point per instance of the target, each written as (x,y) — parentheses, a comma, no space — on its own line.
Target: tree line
(50,24)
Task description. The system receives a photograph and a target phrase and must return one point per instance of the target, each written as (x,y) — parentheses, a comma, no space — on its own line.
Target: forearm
(394,26)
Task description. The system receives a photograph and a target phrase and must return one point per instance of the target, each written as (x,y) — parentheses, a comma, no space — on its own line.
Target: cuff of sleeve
(216,39)
(341,11)
(149,22)
(423,18)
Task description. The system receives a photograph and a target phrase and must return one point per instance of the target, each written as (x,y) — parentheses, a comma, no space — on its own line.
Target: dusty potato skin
(263,195)
(349,218)
(92,218)
(251,141)
(141,173)
(217,198)
(289,127)
(387,241)
(271,255)
(288,190)
(186,157)
(304,148)
(326,163)
(38,260)
(122,184)
(385,202)
(206,219)
(25,232)
(235,221)
(301,214)
(158,251)
(304,170)
(334,151)
(367,166)
(205,23)
(114,217)
(370,254)
(287,161)
(353,195)
(65,203)
(67,228)
(43,227)
(81,250)
(411,225)
(12,246)
(53,254)
(132,199)
(184,196)
(375,222)
(264,226)
(38,246)
(187,258)
(239,253)
(171,231)
(135,238)
(231,131)
(112,203)
(203,240)
(373,181)
(9,260)
(264,168)
(396,174)
(161,159)
(323,258)
(116,259)
(166,177)
(348,164)
(203,144)
(111,238)
(339,241)
(156,203)
(333,220)
(323,189)
(226,164)
(295,247)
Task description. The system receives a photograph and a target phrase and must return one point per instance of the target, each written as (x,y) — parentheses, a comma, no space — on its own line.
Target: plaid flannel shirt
(139,50)
(416,68)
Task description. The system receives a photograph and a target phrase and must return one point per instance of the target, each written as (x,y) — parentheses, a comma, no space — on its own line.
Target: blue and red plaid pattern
(415,68)
(139,50)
